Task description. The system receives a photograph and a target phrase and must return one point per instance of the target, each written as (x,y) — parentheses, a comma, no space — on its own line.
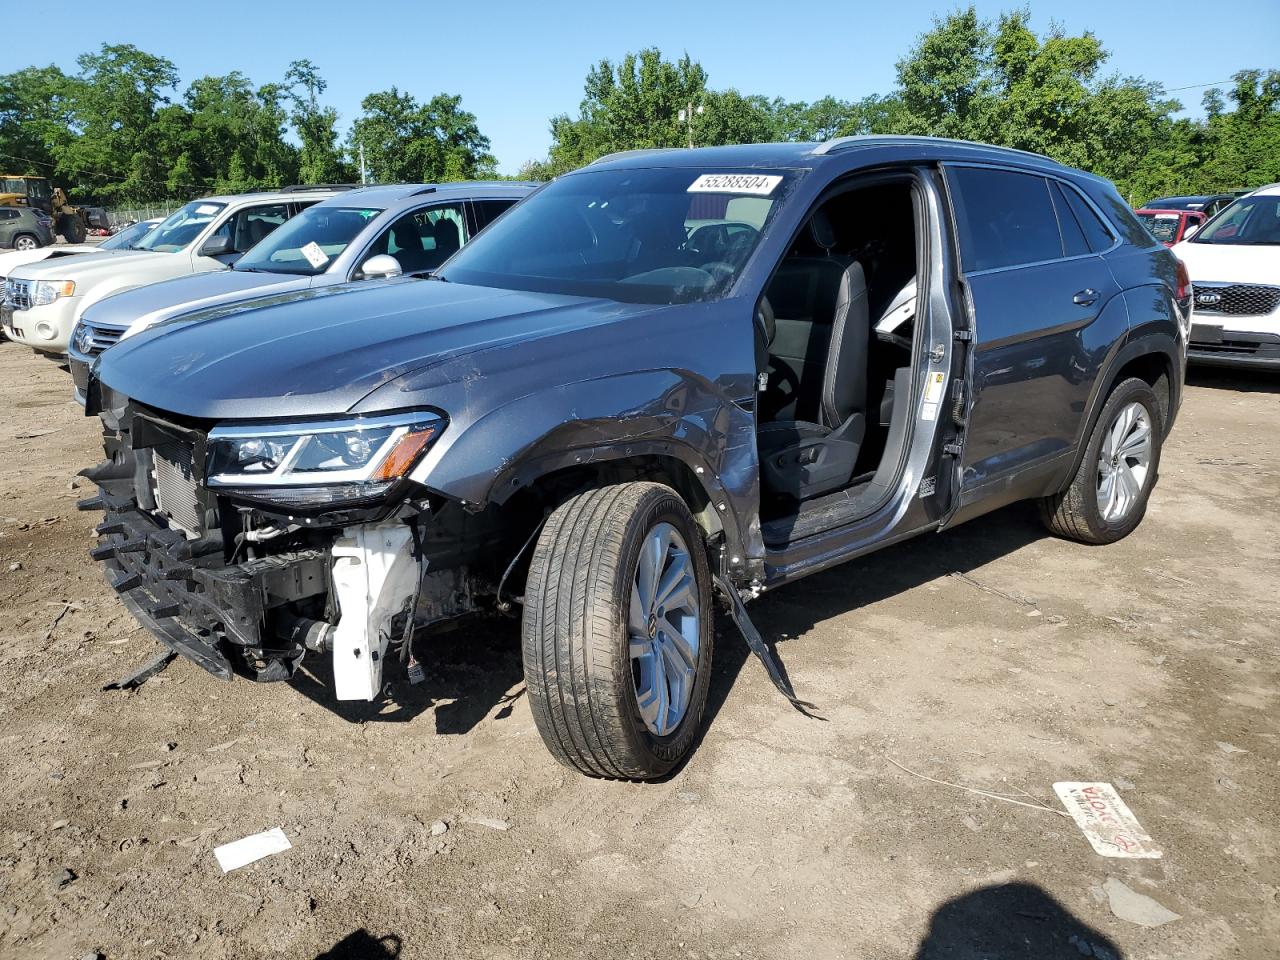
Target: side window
(423,239)
(1095,230)
(1005,218)
(249,226)
(8,213)
(487,211)
(1074,243)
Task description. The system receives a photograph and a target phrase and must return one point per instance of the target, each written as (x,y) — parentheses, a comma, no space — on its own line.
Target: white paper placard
(315,256)
(755,184)
(1106,821)
(207,208)
(239,853)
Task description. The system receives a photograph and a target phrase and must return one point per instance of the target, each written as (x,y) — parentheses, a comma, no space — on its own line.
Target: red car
(1170,226)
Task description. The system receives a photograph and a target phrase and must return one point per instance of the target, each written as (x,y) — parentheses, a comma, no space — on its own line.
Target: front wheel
(72,228)
(618,631)
(1107,498)
(26,242)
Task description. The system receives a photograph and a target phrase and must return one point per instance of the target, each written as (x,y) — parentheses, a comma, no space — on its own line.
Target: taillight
(1183,290)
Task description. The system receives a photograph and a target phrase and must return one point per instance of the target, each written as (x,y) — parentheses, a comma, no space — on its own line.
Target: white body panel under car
(1234,262)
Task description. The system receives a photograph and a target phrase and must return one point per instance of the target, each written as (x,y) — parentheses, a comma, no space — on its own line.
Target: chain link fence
(121,216)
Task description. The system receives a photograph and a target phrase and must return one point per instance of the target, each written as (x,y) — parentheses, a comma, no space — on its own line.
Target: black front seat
(801,459)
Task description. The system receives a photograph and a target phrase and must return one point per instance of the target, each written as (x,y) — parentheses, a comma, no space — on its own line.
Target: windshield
(1250,221)
(128,237)
(181,227)
(1162,226)
(642,236)
(309,243)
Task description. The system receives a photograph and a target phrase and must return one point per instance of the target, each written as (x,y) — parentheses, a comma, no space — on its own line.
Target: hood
(16,258)
(319,351)
(86,266)
(1230,263)
(142,307)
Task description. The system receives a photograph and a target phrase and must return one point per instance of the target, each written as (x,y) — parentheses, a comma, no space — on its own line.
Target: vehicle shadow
(362,945)
(793,610)
(469,671)
(1012,921)
(1241,380)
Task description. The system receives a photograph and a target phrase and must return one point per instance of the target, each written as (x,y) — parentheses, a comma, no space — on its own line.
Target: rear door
(1038,292)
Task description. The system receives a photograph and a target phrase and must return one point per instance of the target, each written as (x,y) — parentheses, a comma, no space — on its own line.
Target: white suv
(1234,262)
(43,301)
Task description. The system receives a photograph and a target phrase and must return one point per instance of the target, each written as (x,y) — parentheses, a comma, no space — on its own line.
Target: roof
(1270,190)
(389,193)
(791,155)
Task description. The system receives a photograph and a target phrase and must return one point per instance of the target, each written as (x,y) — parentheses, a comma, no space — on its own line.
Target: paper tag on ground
(239,853)
(315,256)
(1105,820)
(757,184)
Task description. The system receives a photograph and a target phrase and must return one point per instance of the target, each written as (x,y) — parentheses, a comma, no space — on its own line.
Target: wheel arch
(1152,359)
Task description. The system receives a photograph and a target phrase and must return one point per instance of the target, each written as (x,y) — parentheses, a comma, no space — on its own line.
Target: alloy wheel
(1123,462)
(663,629)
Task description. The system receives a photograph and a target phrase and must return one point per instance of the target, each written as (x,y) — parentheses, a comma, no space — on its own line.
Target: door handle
(1085,297)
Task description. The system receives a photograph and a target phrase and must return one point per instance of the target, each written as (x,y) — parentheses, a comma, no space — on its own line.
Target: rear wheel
(618,631)
(25,242)
(1108,496)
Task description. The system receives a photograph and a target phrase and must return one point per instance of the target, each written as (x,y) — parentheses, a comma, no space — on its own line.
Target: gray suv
(375,232)
(667,377)
(25,228)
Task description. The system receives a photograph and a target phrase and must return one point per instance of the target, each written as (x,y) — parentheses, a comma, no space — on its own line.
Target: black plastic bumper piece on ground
(738,611)
(144,672)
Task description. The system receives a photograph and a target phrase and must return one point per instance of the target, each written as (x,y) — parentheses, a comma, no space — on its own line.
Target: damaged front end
(245,548)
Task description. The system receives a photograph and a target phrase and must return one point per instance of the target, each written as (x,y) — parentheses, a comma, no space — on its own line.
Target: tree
(405,141)
(113,106)
(35,119)
(320,160)
(634,104)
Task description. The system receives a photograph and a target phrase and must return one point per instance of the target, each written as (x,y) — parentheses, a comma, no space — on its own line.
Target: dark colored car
(25,228)
(1170,226)
(668,375)
(1209,204)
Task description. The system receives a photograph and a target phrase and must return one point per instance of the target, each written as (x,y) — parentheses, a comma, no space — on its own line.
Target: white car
(1234,262)
(43,301)
(124,240)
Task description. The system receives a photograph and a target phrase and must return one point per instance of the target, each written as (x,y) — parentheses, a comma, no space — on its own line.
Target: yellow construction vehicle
(70,221)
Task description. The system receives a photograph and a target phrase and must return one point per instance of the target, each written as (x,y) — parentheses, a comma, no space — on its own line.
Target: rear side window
(486,211)
(1005,218)
(1074,243)
(1095,231)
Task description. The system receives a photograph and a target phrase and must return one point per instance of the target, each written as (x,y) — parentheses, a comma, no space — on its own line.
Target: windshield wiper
(435,276)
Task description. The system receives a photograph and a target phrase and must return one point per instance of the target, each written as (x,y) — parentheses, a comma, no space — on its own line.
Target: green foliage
(116,131)
(409,142)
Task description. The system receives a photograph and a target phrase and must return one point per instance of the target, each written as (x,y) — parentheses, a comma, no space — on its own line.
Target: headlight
(318,463)
(44,292)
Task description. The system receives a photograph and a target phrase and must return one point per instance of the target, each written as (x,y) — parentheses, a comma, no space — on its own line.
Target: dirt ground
(991,656)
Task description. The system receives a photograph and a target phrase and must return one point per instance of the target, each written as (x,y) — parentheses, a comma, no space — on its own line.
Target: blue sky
(516,65)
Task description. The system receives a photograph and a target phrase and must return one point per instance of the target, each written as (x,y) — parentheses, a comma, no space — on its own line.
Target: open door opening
(837,330)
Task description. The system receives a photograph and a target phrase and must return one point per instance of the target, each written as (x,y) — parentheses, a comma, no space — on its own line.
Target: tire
(72,228)
(25,241)
(1088,510)
(585,687)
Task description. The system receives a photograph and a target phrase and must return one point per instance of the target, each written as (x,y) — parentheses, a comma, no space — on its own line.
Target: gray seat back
(844,383)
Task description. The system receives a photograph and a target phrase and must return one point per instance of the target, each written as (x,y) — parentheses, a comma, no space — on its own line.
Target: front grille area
(176,493)
(91,339)
(18,293)
(1237,299)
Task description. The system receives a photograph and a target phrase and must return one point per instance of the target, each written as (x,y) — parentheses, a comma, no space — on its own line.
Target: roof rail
(643,152)
(838,144)
(423,191)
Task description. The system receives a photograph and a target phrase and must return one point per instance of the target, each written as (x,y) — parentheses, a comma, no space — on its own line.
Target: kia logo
(1208,298)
